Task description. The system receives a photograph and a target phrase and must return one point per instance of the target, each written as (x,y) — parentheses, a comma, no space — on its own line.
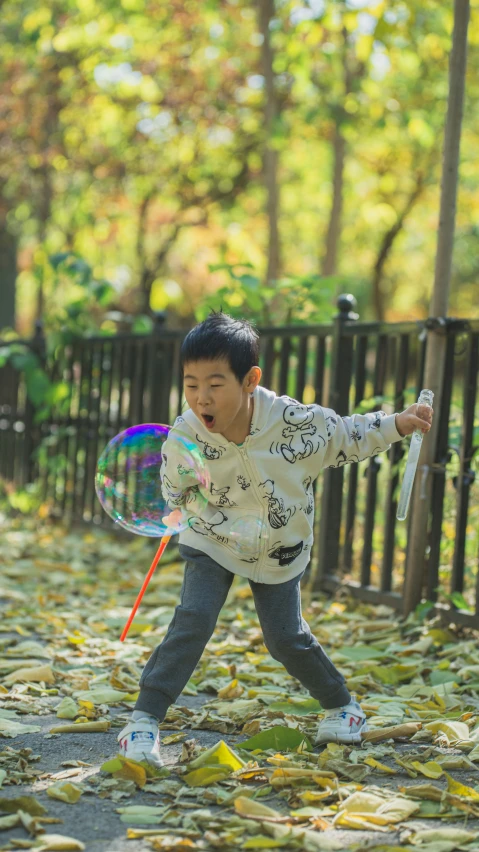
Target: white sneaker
(343,724)
(141,741)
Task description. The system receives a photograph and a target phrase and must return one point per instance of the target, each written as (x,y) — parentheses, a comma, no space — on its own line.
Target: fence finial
(160,320)
(346,303)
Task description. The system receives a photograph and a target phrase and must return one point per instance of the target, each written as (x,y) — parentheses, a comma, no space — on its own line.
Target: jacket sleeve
(354,438)
(180,471)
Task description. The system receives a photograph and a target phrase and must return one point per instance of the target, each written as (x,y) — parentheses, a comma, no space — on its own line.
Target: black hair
(221,336)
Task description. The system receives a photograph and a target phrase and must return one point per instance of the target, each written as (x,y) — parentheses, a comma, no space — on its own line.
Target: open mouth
(208,420)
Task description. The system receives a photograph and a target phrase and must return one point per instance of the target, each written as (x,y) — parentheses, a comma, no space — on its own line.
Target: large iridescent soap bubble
(128,481)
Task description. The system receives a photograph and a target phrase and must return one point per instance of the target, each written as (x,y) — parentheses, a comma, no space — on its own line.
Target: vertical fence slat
(466,475)
(284,365)
(359,386)
(373,468)
(319,369)
(268,362)
(327,546)
(301,367)
(439,477)
(396,453)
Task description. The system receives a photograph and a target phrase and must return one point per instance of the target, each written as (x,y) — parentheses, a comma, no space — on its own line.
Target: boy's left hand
(414,417)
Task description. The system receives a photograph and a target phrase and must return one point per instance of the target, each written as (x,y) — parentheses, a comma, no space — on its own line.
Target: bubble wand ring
(127,484)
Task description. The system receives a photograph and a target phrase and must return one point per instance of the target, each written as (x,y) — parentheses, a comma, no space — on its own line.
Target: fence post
(160,373)
(32,430)
(331,502)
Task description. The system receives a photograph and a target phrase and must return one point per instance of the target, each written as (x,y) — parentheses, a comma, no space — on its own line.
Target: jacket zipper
(251,474)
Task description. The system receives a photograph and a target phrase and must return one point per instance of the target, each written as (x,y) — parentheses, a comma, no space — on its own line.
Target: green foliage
(20,501)
(41,391)
(297,300)
(134,135)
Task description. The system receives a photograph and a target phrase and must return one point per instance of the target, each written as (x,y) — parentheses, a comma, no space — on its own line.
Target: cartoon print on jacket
(222,492)
(342,458)
(198,525)
(301,435)
(376,424)
(178,498)
(241,480)
(184,471)
(330,423)
(278,514)
(209,452)
(308,487)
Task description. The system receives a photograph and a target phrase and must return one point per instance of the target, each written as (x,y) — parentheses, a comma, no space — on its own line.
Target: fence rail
(113,382)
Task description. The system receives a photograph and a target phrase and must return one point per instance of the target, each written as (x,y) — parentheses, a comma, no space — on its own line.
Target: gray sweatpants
(286,635)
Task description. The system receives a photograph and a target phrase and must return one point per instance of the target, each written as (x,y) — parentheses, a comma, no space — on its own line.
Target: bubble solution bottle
(425,398)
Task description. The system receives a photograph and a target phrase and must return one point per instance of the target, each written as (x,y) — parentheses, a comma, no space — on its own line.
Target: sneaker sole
(142,757)
(346,739)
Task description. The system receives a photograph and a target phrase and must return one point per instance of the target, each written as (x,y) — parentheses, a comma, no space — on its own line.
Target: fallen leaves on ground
(262,784)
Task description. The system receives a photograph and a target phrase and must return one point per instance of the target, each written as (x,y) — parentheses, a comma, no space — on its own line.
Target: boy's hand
(414,417)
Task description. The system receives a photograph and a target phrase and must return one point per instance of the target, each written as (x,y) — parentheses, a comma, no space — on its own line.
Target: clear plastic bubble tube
(425,398)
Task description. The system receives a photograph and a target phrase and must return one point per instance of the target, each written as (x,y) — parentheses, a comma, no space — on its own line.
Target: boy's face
(216,396)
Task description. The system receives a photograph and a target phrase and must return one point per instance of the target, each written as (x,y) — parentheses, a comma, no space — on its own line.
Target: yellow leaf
(67,709)
(393,732)
(219,753)
(455,731)
(83,728)
(65,792)
(459,789)
(59,843)
(206,775)
(173,738)
(370,761)
(131,770)
(172,843)
(253,809)
(374,809)
(233,690)
(438,835)
(431,769)
(37,674)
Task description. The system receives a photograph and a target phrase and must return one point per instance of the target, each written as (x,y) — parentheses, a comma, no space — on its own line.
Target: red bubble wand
(169,521)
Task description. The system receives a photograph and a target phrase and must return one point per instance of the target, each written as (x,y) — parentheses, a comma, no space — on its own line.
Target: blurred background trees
(258,155)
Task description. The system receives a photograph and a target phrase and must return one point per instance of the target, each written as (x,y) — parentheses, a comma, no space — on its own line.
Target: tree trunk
(270,155)
(353,71)
(386,247)
(436,343)
(8,275)
(334,226)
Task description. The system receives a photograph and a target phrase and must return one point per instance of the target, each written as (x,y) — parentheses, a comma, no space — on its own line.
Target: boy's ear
(252,379)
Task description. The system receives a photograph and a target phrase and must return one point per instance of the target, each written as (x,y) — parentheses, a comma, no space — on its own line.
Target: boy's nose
(203,400)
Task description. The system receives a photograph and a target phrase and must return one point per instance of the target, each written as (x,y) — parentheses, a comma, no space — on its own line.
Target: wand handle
(158,555)
(425,398)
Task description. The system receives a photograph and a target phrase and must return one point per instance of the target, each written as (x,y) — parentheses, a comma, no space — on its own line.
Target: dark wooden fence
(114,382)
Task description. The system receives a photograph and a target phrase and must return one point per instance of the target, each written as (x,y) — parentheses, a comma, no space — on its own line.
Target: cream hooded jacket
(251,507)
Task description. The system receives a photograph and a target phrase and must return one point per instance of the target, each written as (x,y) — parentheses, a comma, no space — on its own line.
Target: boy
(262,453)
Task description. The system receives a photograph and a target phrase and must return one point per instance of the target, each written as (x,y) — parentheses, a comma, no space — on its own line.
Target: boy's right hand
(415,417)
